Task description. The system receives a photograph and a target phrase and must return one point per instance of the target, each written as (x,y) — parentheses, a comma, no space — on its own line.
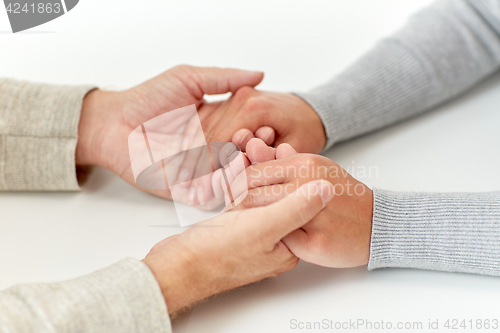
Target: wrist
(180,281)
(366,213)
(98,110)
(317,134)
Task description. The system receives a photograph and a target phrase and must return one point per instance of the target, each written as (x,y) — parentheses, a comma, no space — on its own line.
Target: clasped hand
(310,218)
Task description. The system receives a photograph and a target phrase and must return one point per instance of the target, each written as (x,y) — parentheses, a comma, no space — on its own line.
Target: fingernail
(201,196)
(191,196)
(233,149)
(229,156)
(183,176)
(243,138)
(268,135)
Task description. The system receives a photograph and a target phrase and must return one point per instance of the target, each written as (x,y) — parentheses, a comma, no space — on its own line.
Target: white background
(298,44)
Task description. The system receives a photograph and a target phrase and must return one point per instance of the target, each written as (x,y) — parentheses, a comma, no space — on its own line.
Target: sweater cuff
(124,297)
(38,135)
(454,232)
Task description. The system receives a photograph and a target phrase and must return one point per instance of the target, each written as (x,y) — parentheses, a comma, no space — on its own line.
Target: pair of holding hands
(321,215)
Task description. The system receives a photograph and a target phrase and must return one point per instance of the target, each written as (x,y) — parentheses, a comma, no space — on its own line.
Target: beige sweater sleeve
(38,136)
(123,298)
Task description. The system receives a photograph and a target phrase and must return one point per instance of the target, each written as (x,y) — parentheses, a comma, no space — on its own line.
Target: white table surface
(299,44)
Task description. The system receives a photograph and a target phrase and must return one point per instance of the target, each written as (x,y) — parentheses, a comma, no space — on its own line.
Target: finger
(226,152)
(229,179)
(236,167)
(182,194)
(263,174)
(201,182)
(193,134)
(297,241)
(213,80)
(259,152)
(241,138)
(235,115)
(226,179)
(211,204)
(238,163)
(191,197)
(206,110)
(217,184)
(284,150)
(188,166)
(263,196)
(227,200)
(281,218)
(233,162)
(203,187)
(266,134)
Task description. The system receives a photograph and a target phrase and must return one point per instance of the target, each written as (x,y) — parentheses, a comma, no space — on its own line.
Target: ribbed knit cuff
(455,232)
(38,135)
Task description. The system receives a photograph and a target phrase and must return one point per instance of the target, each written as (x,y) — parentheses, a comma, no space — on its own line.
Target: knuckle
(243,94)
(250,201)
(310,160)
(303,160)
(189,77)
(312,166)
(286,266)
(180,69)
(255,104)
(292,264)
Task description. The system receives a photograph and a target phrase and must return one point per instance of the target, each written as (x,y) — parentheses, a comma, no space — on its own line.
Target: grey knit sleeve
(455,232)
(38,135)
(122,298)
(442,51)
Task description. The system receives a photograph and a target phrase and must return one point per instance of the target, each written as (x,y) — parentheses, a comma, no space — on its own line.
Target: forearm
(38,135)
(442,51)
(124,297)
(456,232)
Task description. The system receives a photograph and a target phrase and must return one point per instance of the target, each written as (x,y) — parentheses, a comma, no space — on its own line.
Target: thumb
(213,80)
(277,220)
